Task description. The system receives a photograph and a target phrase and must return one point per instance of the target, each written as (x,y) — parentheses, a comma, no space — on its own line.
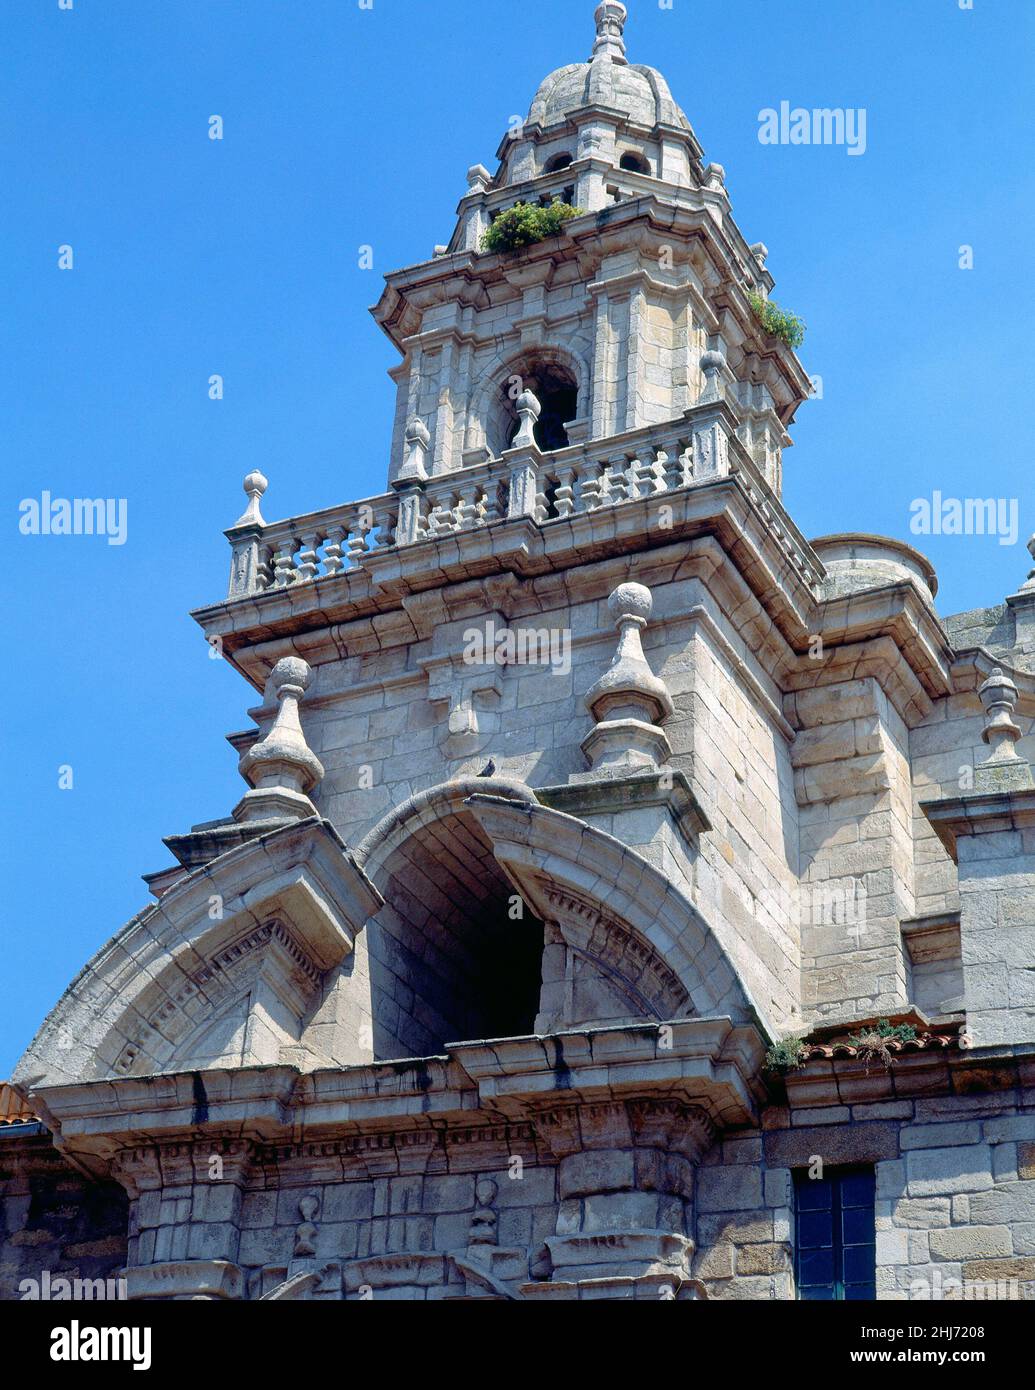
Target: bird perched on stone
(489,769)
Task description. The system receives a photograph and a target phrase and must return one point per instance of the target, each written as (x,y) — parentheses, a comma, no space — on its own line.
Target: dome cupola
(639,93)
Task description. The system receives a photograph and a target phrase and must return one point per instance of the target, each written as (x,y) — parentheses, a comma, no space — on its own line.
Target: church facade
(630,897)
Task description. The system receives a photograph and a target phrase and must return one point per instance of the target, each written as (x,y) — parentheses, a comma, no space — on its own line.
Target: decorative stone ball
(712,361)
(630,601)
(417,430)
(255,483)
(291,671)
(528,400)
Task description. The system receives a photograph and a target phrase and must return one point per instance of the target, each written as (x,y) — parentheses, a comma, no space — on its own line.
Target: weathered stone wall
(944,751)
(381,737)
(53,1219)
(955,1197)
(853,787)
(367,1228)
(955,1207)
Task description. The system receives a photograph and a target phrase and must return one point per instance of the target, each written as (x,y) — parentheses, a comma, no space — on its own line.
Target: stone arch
(626,937)
(635,162)
(224,970)
(454,954)
(490,418)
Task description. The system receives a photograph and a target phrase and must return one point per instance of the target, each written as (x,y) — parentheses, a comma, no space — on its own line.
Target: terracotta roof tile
(13,1110)
(928,1042)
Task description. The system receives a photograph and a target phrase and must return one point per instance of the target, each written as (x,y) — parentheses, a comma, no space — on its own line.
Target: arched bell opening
(555,386)
(634,162)
(455,954)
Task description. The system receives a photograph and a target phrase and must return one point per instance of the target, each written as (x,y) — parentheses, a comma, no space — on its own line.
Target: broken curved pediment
(223,970)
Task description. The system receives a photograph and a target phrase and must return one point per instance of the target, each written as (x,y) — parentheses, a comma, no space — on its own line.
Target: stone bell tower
(637,314)
(565,744)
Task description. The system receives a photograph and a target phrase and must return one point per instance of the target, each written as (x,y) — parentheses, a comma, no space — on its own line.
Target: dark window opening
(835,1235)
(635,163)
(556,163)
(510,981)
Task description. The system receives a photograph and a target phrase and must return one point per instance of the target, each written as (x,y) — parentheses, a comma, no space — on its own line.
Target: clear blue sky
(346,127)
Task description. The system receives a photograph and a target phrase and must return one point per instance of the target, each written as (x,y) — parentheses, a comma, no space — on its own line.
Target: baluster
(467,510)
(541,504)
(332,551)
(564,497)
(633,475)
(308,558)
(439,519)
(591,488)
(384,520)
(613,481)
(359,526)
(501,500)
(284,562)
(661,470)
(673,469)
(264,571)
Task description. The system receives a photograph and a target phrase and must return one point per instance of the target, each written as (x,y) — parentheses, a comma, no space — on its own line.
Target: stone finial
(1004,768)
(528,409)
(760,251)
(254,485)
(478,178)
(713,364)
(998,695)
(281,768)
(610,17)
(417,440)
(629,701)
(715,178)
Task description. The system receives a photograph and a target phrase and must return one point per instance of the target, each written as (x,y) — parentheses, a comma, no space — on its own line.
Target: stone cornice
(891,632)
(945,1072)
(707,1063)
(669,789)
(979,813)
(973,665)
(679,212)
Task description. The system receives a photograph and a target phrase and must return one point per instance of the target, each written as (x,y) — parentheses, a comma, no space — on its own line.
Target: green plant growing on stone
(781,323)
(526,223)
(871,1044)
(786,1055)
